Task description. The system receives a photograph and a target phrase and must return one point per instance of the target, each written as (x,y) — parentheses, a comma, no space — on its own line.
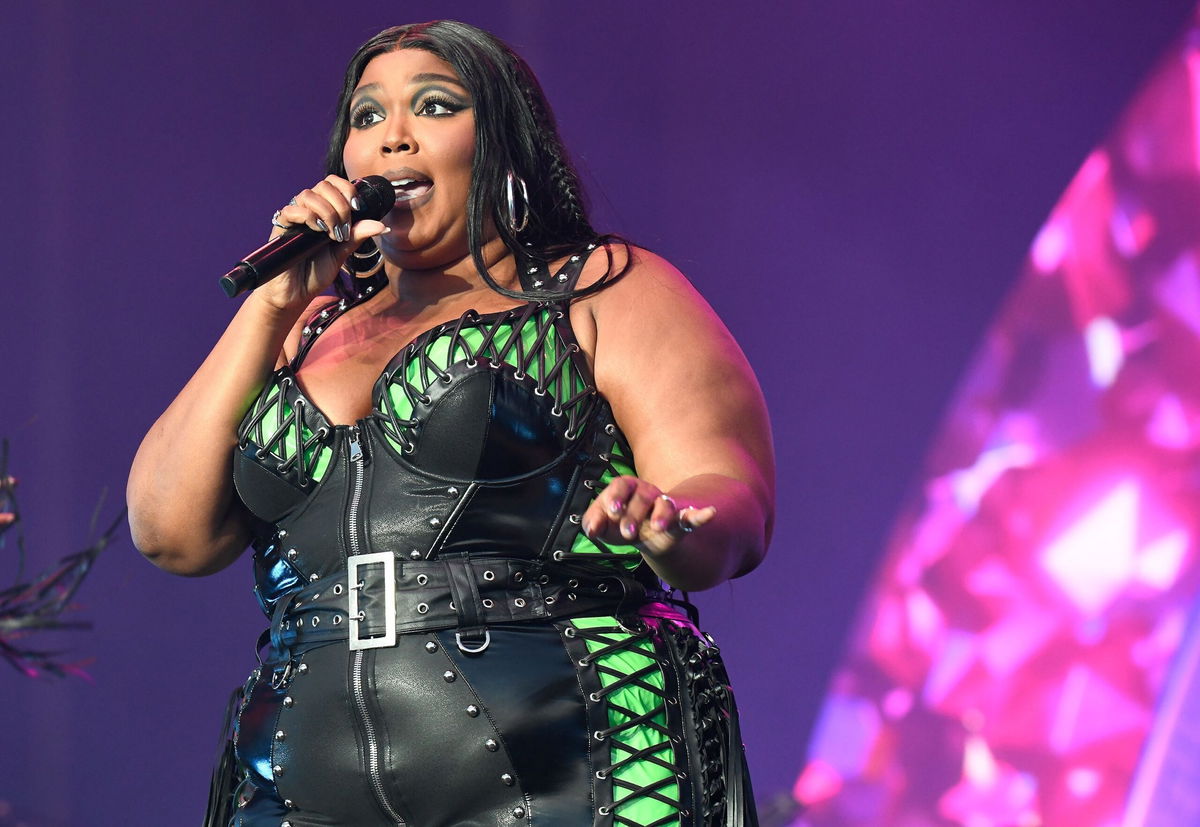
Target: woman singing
(465,478)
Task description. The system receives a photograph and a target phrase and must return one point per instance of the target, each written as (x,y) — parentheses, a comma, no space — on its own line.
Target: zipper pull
(356,452)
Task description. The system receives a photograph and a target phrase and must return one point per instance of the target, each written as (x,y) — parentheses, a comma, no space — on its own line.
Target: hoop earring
(366,260)
(510,197)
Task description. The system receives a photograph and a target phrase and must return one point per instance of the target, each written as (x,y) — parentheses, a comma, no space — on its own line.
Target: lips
(409,184)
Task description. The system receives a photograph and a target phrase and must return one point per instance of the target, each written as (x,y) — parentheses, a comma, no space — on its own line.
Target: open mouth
(408,188)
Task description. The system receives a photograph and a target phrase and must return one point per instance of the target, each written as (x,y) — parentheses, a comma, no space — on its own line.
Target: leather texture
(484,710)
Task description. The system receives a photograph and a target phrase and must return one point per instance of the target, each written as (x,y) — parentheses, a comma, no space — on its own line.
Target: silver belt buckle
(388,638)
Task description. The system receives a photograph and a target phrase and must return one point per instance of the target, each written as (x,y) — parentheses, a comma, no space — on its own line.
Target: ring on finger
(275,221)
(684,527)
(668,498)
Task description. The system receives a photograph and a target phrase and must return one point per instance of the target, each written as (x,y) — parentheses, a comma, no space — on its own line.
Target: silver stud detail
(370,289)
(414,555)
(282,533)
(532,270)
(449,677)
(562,276)
(320,330)
(490,745)
(473,711)
(435,522)
(285,824)
(312,578)
(291,805)
(537,283)
(452,491)
(302,668)
(591,246)
(324,314)
(518,812)
(278,769)
(280,735)
(574,258)
(431,647)
(288,702)
(507,779)
(292,553)
(307,331)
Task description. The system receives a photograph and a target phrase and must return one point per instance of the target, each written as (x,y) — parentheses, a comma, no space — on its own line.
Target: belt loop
(472,634)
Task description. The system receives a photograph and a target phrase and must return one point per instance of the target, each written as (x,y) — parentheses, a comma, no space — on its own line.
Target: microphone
(376,197)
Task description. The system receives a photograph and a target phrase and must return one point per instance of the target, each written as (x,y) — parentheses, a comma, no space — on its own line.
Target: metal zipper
(373,771)
(360,696)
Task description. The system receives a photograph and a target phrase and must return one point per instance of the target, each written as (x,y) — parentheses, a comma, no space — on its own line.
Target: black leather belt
(379,596)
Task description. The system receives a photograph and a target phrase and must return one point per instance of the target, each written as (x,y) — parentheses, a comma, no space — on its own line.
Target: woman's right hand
(325,207)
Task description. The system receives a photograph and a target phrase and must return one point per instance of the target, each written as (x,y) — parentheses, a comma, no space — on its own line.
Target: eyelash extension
(446,101)
(357,113)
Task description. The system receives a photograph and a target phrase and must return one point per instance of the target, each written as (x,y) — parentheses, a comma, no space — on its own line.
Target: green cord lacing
(640,755)
(273,429)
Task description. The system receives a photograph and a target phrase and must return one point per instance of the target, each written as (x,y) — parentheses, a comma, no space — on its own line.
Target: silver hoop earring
(510,196)
(366,260)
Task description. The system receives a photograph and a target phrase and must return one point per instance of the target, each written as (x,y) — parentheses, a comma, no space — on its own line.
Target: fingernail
(354,205)
(346,231)
(616,507)
(587,528)
(322,226)
(628,530)
(660,525)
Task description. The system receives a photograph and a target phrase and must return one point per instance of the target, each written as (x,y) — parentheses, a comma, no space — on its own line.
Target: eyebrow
(424,77)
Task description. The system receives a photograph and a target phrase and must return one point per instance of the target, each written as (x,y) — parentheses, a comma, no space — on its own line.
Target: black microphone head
(376,197)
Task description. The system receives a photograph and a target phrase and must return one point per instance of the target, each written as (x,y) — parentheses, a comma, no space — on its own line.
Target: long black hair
(515,132)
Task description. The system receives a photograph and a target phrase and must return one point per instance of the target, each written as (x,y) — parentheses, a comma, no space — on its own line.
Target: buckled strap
(469,593)
(472,634)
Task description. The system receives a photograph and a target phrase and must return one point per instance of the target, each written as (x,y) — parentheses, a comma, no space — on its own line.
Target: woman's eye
(364,117)
(435,107)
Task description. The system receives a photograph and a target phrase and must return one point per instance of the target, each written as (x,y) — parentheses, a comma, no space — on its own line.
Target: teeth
(404,182)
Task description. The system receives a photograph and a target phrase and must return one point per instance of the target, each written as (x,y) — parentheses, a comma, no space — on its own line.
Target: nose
(396,137)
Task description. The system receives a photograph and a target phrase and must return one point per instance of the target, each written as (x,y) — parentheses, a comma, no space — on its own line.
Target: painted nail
(629,530)
(354,205)
(345,231)
(660,525)
(322,226)
(616,507)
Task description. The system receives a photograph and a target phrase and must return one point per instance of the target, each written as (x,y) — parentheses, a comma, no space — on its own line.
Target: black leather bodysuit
(446,646)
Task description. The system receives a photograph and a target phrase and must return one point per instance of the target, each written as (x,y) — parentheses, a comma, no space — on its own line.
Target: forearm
(180,493)
(732,543)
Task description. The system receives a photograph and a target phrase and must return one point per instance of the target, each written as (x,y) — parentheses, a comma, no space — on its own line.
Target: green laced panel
(526,338)
(279,433)
(640,753)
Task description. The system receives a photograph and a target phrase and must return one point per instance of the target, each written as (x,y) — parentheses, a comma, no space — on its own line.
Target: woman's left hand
(631,510)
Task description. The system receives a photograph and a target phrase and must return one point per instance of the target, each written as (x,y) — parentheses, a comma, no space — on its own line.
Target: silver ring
(684,527)
(669,499)
(275,221)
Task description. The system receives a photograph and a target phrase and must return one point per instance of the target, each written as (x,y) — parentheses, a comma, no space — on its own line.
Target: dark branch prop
(38,606)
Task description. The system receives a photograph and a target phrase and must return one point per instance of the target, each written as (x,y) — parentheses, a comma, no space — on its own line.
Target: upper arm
(680,387)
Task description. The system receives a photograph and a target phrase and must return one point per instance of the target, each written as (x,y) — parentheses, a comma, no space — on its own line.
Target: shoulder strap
(320,321)
(535,273)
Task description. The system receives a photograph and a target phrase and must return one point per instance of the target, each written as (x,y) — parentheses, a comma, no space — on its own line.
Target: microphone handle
(273,258)
(375,198)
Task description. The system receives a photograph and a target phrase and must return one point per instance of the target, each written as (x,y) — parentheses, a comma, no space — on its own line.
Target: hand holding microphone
(322,226)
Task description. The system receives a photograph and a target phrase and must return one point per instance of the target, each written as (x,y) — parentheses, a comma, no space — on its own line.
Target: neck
(416,288)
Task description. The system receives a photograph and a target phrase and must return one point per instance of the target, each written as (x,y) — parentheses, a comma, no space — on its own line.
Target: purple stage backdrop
(852,183)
